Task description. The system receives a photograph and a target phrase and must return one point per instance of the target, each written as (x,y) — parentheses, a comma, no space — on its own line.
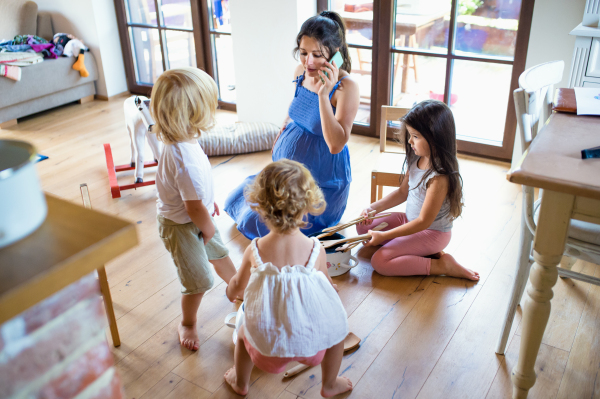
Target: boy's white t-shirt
(184,174)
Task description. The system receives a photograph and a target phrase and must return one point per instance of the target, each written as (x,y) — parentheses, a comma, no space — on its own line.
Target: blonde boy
(184,102)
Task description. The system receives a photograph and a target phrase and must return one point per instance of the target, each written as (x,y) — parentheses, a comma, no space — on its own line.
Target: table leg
(548,246)
(108,305)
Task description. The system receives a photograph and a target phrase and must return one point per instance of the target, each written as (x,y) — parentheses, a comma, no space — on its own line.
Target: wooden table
(71,243)
(571,191)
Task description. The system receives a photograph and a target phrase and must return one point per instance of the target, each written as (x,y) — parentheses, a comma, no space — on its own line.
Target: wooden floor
(422,337)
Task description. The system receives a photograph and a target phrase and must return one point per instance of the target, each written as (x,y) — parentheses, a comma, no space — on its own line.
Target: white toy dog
(139,124)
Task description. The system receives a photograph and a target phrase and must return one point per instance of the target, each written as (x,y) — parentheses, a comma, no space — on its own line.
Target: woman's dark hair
(434,121)
(329,30)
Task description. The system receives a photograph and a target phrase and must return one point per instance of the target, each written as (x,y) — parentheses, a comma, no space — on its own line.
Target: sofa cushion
(28,19)
(44,26)
(45,78)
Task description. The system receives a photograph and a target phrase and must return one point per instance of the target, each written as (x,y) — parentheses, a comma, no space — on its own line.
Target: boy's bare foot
(341,385)
(231,379)
(448,266)
(188,337)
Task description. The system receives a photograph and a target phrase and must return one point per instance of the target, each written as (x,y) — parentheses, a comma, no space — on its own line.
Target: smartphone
(337,57)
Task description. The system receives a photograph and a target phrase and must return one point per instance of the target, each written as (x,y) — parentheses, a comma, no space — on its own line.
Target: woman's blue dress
(302,141)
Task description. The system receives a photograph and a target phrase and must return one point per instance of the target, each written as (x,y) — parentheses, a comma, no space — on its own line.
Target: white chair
(533,105)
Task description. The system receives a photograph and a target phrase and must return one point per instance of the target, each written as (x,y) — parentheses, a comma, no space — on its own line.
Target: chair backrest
(533,99)
(389,113)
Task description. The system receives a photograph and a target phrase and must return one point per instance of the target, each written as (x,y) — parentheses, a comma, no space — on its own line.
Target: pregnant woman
(318,125)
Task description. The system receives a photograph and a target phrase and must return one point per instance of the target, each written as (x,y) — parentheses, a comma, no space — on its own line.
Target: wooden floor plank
(570,297)
(163,388)
(469,363)
(549,369)
(581,379)
(209,363)
(186,389)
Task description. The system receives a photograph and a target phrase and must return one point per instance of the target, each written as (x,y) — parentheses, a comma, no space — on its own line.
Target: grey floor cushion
(238,138)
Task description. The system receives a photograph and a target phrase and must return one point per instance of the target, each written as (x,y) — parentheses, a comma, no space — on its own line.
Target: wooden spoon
(332,243)
(346,247)
(353,220)
(345,226)
(350,342)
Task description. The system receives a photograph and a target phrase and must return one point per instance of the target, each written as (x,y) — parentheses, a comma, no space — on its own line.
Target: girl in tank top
(432,189)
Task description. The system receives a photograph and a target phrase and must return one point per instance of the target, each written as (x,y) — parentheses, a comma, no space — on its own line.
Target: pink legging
(404,256)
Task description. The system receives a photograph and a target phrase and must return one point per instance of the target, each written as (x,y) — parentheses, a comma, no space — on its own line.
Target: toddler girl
(432,189)
(291,310)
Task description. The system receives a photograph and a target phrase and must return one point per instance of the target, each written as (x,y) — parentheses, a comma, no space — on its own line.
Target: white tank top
(416,197)
(292,312)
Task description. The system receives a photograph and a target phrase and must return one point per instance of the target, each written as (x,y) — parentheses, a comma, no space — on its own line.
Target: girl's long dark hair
(435,122)
(329,30)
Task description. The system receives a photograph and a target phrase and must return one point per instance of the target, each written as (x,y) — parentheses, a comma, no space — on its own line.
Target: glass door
(157,35)
(221,49)
(461,52)
(160,34)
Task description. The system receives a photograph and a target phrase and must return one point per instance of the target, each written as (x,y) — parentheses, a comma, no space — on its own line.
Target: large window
(467,53)
(158,35)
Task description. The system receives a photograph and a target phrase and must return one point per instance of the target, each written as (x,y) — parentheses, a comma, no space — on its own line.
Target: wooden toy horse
(139,124)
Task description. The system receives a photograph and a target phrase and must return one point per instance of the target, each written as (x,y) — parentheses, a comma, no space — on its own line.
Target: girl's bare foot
(448,266)
(188,337)
(231,379)
(341,385)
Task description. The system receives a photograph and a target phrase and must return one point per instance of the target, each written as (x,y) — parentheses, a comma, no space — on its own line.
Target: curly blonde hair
(184,102)
(283,193)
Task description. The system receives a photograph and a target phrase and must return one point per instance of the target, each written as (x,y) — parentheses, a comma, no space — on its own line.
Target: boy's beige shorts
(190,255)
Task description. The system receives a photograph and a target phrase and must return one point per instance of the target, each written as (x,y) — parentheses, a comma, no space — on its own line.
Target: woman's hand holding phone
(329,79)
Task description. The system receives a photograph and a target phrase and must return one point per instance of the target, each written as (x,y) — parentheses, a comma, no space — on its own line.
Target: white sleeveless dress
(292,312)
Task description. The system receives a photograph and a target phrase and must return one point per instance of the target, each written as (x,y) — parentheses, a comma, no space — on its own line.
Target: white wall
(110,47)
(95,23)
(549,39)
(263,38)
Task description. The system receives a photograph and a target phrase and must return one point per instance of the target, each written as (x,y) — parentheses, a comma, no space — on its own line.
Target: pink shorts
(276,365)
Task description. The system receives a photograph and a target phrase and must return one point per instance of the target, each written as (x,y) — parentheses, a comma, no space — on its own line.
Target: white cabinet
(585,66)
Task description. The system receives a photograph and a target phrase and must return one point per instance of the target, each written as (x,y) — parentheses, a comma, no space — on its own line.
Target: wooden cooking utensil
(345,226)
(347,247)
(332,243)
(350,342)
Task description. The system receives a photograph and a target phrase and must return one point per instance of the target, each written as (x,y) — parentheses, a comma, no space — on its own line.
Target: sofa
(47,84)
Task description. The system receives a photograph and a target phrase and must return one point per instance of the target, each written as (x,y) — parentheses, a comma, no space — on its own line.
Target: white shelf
(582,30)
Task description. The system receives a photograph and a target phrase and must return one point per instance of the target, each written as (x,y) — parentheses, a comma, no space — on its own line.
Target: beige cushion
(582,231)
(28,19)
(17,17)
(44,26)
(238,138)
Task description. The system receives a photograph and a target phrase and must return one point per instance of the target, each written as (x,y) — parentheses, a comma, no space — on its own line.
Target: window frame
(200,31)
(381,79)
